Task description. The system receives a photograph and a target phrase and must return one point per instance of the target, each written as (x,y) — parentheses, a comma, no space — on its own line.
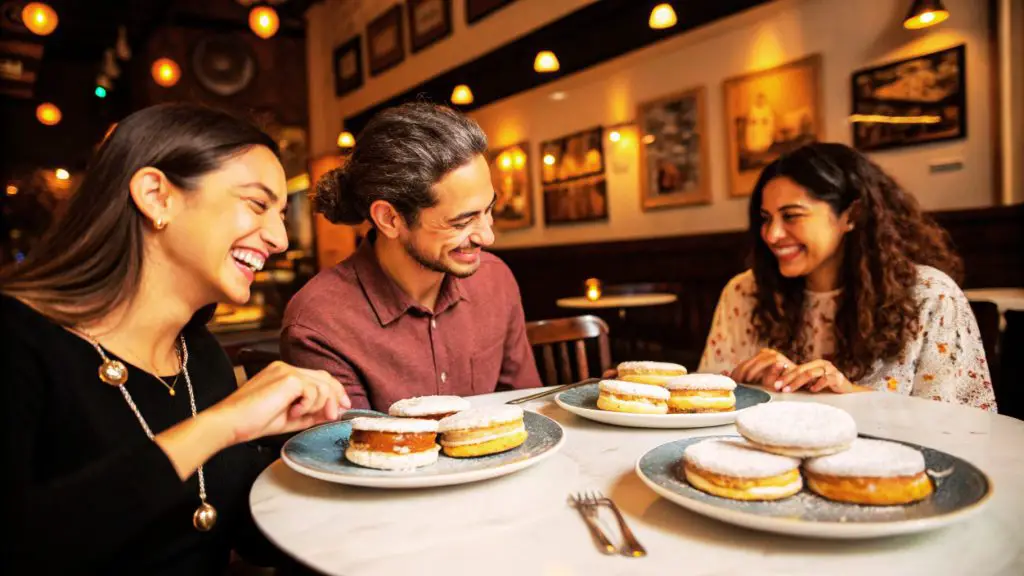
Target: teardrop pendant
(205,517)
(170,391)
(113,372)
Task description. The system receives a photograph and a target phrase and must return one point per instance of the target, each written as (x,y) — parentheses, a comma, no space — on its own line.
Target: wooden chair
(988,317)
(1010,393)
(560,333)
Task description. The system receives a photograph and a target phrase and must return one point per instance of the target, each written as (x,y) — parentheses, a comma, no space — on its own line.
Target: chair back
(988,317)
(559,335)
(255,357)
(1010,392)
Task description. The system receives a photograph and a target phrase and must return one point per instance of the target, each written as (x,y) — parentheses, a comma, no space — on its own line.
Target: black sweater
(85,490)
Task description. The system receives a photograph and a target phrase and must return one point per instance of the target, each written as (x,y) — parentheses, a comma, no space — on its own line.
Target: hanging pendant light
(39,18)
(925,13)
(48,114)
(462,95)
(346,140)
(264,21)
(166,72)
(546,61)
(662,17)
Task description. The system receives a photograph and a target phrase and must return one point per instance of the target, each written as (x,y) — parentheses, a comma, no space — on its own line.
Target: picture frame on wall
(910,102)
(429,22)
(769,113)
(384,42)
(348,66)
(478,9)
(573,178)
(513,186)
(674,150)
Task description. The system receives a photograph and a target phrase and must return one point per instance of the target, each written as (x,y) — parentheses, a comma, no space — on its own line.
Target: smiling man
(420,308)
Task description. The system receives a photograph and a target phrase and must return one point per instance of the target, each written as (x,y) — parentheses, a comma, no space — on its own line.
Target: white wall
(848,34)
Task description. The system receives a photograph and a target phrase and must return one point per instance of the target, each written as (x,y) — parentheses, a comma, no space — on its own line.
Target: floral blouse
(944,362)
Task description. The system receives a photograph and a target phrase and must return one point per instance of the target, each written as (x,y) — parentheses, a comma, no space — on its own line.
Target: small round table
(522,524)
(619,301)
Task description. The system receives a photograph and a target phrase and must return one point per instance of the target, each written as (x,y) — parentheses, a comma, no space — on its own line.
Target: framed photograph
(510,175)
(910,102)
(348,66)
(429,21)
(769,113)
(674,150)
(572,174)
(384,41)
(477,9)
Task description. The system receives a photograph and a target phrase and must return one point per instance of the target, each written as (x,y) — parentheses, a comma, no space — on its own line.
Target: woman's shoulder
(934,285)
(22,322)
(741,285)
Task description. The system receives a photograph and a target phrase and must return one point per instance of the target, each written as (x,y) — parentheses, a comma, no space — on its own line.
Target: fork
(589,513)
(631,546)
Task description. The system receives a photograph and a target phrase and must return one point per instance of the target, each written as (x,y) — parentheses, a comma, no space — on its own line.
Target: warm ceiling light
(663,16)
(39,18)
(549,159)
(505,160)
(61,174)
(48,114)
(614,136)
(925,13)
(546,61)
(12,189)
(166,72)
(263,21)
(518,159)
(462,95)
(346,140)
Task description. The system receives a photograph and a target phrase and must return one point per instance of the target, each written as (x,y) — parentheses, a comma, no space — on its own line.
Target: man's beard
(434,264)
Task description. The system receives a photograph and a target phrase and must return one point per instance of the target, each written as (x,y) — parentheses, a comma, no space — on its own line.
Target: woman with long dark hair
(851,283)
(124,433)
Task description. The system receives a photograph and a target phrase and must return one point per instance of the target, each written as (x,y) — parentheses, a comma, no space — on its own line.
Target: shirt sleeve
(306,348)
(952,366)
(99,507)
(731,339)
(518,367)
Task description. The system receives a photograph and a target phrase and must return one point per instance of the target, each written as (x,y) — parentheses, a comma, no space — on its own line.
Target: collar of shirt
(388,300)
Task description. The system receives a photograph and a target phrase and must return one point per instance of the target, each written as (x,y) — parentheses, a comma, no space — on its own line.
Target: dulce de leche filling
(456,437)
(393,442)
(724,481)
(701,393)
(633,398)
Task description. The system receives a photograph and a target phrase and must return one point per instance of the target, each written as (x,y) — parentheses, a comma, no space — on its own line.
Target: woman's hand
(764,368)
(282,399)
(816,375)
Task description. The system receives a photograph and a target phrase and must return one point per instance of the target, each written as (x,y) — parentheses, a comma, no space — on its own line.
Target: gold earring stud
(159,224)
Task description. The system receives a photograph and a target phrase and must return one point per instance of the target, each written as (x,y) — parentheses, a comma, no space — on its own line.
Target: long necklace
(115,373)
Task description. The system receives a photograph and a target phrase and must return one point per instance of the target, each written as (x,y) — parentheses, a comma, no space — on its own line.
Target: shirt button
(433,323)
(444,376)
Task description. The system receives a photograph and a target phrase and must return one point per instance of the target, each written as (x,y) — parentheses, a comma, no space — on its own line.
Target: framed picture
(769,113)
(429,21)
(384,41)
(674,150)
(910,102)
(572,174)
(348,66)
(510,175)
(477,9)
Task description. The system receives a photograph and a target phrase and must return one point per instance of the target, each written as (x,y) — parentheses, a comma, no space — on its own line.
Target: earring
(159,224)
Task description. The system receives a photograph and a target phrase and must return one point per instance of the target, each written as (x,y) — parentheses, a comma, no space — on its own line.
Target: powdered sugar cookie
(733,468)
(871,472)
(799,429)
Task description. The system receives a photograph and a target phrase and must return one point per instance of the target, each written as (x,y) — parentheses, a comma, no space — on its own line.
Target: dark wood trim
(995,80)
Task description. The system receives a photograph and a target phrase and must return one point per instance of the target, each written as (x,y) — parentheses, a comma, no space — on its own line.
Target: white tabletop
(620,301)
(1004,298)
(521,524)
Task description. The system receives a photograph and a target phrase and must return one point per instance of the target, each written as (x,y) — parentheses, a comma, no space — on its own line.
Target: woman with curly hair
(851,282)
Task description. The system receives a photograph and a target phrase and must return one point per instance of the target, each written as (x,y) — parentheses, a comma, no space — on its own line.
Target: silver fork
(589,513)
(630,546)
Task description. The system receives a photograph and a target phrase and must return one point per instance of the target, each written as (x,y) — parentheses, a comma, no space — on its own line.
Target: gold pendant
(113,372)
(204,517)
(171,391)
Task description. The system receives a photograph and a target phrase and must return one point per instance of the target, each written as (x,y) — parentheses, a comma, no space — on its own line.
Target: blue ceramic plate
(961,490)
(320,453)
(582,401)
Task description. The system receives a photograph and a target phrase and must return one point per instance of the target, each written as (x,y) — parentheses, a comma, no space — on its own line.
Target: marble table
(521,524)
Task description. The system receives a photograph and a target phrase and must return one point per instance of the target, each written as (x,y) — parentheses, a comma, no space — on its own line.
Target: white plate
(582,401)
(958,496)
(320,453)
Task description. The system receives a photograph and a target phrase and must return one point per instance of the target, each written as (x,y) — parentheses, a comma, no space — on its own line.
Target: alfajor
(482,431)
(645,372)
(429,407)
(618,396)
(393,443)
(873,472)
(732,468)
(798,429)
(701,393)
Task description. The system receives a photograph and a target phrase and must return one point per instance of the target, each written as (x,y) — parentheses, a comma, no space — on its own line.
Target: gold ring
(824,371)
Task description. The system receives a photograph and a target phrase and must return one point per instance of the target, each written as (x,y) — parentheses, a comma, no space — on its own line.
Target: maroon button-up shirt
(353,321)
